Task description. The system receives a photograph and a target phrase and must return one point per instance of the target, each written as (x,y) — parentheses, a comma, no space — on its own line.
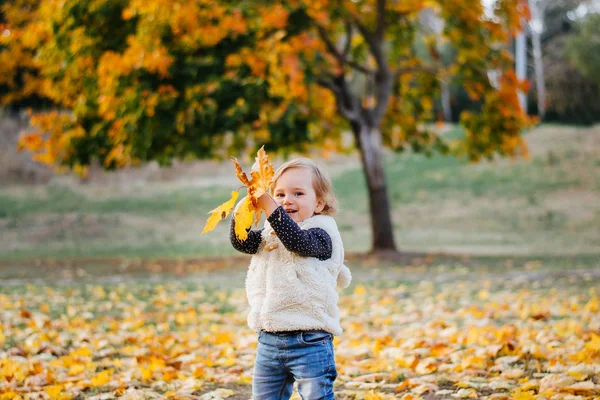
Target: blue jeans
(285,357)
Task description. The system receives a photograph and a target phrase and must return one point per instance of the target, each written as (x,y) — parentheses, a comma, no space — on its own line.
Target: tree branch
(339,56)
(372,41)
(348,44)
(408,70)
(380,28)
(343,99)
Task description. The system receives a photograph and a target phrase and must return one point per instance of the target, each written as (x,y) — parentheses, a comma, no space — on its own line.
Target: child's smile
(295,193)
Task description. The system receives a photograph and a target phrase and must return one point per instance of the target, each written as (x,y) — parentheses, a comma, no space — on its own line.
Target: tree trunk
(371,154)
(537,27)
(446,107)
(539,74)
(521,63)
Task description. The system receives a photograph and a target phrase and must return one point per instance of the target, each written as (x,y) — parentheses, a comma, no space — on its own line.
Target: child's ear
(320,206)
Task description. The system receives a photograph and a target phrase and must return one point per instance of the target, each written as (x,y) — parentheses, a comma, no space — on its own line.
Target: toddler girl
(291,284)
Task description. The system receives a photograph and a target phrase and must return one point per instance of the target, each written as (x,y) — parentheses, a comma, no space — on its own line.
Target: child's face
(294,191)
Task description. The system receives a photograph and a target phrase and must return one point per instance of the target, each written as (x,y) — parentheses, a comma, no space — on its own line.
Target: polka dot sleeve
(314,242)
(248,246)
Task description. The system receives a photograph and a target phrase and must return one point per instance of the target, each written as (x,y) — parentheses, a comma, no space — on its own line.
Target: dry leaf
(424,388)
(262,173)
(466,394)
(259,183)
(409,396)
(218,394)
(498,396)
(555,382)
(243,219)
(513,373)
(372,377)
(220,213)
(582,388)
(519,394)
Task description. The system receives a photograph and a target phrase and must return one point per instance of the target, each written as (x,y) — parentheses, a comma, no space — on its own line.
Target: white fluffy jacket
(288,292)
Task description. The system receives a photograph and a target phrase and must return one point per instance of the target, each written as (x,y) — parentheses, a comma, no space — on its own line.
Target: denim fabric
(305,357)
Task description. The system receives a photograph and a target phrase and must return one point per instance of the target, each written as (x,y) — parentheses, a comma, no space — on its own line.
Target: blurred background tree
(131,81)
(571,97)
(584,47)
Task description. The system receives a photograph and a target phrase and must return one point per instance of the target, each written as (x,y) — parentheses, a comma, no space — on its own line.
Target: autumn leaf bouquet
(248,212)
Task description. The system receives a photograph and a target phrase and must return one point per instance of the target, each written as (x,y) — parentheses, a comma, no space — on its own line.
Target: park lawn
(544,205)
(435,328)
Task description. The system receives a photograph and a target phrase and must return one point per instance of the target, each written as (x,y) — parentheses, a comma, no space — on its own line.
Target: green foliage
(583,48)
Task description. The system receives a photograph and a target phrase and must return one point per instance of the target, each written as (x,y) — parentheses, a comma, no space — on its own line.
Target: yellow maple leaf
(223,337)
(220,213)
(519,394)
(147,371)
(243,219)
(594,343)
(101,378)
(372,395)
(53,391)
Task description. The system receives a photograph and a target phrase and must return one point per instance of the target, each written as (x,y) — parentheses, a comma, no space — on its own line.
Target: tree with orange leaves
(158,79)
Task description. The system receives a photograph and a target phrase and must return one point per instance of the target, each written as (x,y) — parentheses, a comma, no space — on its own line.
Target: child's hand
(267,203)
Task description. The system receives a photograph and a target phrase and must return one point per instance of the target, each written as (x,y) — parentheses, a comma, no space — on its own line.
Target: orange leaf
(262,173)
(32,142)
(240,173)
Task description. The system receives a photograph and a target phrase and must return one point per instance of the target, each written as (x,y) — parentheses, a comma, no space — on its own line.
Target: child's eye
(299,193)
(279,195)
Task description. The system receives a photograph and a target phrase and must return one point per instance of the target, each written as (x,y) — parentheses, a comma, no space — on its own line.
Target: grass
(57,199)
(547,205)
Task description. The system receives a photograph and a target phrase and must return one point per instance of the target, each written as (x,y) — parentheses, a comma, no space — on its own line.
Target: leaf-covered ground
(444,331)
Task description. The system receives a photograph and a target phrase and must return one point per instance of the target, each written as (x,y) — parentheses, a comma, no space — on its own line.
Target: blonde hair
(321,182)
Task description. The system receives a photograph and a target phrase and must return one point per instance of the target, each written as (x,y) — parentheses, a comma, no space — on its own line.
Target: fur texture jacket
(288,292)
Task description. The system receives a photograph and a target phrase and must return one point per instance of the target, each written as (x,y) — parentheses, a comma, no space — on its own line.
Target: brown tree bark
(366,121)
(371,154)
